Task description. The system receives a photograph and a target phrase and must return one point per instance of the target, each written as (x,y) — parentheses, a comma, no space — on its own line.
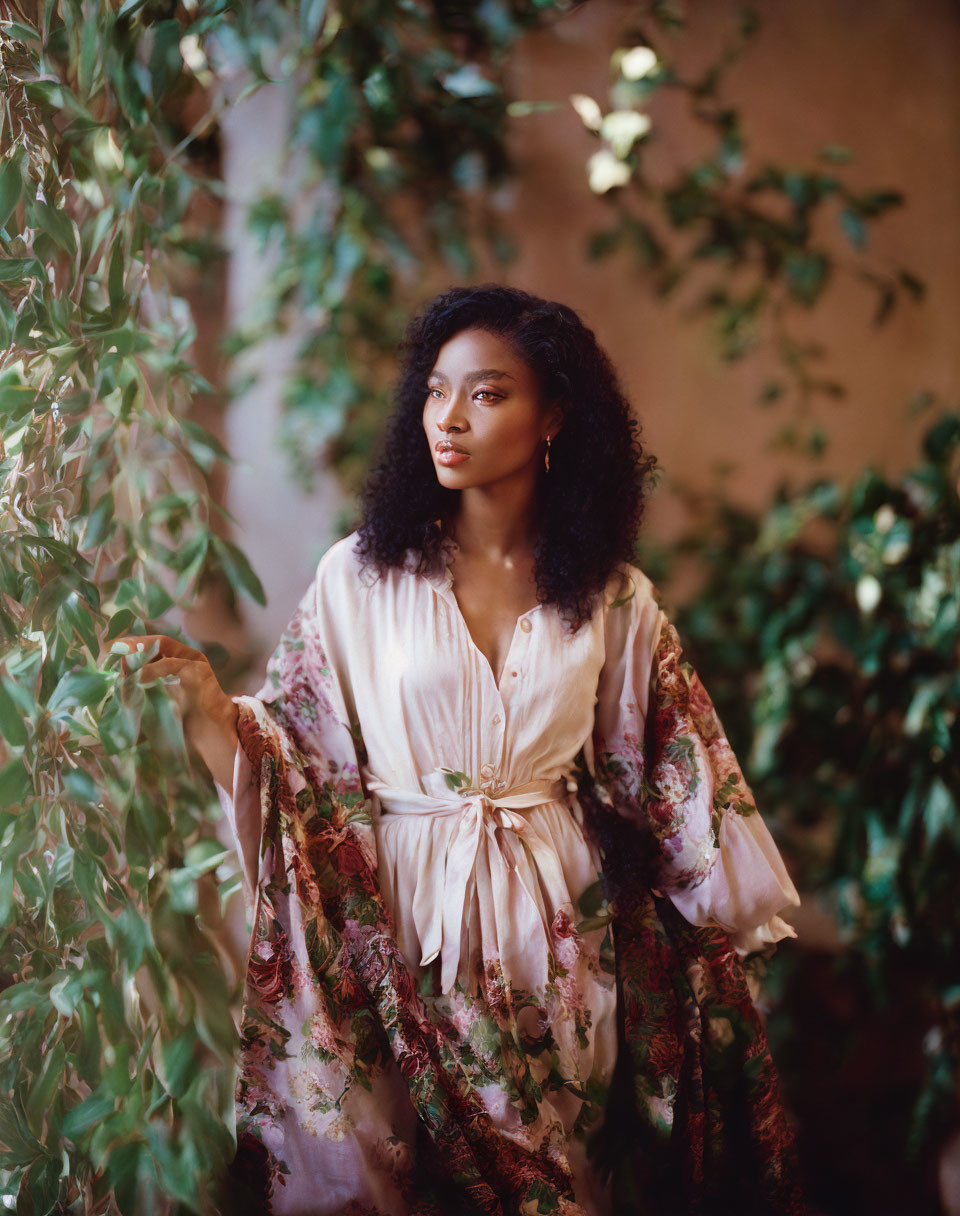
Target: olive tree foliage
(116,1034)
(116,994)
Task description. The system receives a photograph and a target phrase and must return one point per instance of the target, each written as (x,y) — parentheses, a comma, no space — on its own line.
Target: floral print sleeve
(696,1120)
(659,736)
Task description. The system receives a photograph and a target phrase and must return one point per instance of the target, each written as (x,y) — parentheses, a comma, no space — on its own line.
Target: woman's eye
(483,392)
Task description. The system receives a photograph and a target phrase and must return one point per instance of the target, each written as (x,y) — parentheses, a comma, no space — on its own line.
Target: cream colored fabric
(469,874)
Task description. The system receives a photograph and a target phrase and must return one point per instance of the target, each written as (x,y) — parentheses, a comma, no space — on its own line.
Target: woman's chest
(491,604)
(418,672)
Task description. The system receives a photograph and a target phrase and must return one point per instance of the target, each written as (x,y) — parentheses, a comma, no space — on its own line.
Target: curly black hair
(589,504)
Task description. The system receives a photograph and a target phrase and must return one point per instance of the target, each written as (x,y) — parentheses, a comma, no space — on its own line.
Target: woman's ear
(556,418)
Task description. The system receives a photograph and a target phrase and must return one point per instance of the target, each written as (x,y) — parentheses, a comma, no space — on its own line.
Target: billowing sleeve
(301,717)
(661,755)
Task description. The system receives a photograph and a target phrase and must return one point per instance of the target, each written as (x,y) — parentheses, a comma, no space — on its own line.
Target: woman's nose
(449,413)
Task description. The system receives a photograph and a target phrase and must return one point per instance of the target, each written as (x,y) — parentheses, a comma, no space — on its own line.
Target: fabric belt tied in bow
(441,898)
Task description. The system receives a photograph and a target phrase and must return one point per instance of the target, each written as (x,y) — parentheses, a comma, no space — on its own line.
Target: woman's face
(485,400)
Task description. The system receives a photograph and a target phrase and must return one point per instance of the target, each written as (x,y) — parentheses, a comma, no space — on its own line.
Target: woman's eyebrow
(485,373)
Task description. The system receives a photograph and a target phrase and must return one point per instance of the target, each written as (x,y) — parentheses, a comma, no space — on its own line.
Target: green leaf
(11,721)
(592,898)
(115,288)
(18,998)
(15,783)
(119,623)
(66,993)
(312,14)
(11,185)
(48,1081)
(179,1063)
(202,444)
(15,270)
(56,224)
(79,688)
(89,1113)
(238,570)
(806,274)
(80,617)
(854,228)
(18,400)
(100,523)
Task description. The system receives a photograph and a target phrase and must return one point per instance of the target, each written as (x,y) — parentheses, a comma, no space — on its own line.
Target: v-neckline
(446,545)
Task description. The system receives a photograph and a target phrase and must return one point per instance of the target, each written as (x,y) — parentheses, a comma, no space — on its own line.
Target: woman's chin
(454,477)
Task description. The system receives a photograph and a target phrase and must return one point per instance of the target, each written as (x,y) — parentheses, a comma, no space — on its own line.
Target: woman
(501,860)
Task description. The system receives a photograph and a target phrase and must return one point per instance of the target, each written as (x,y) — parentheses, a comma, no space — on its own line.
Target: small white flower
(192,53)
(637,62)
(588,110)
(606,171)
(884,518)
(868,593)
(622,128)
(804,667)
(379,158)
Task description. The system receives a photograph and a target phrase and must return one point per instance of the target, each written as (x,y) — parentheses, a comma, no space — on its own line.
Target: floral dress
(437,996)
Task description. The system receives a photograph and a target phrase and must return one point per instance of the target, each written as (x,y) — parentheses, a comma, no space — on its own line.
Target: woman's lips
(449,456)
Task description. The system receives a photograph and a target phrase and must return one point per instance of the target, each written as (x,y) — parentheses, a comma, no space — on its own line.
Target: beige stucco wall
(879,77)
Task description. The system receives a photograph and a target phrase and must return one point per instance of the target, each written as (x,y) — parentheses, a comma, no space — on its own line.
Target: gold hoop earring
(546,455)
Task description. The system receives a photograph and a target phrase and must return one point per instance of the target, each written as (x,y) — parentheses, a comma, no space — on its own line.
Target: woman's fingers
(168,647)
(172,657)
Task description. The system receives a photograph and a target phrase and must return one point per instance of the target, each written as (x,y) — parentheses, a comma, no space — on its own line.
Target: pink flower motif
(673,844)
(462,1019)
(562,925)
(322,1035)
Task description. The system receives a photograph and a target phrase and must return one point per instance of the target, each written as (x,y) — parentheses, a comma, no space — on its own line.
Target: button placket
(525,627)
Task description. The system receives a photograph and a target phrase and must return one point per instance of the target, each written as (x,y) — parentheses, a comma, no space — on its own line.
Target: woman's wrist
(217,743)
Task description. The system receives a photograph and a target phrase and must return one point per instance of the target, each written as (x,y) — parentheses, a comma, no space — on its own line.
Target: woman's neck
(498,531)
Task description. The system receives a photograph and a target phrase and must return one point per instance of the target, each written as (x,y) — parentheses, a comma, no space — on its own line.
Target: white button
(525,625)
(496,719)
